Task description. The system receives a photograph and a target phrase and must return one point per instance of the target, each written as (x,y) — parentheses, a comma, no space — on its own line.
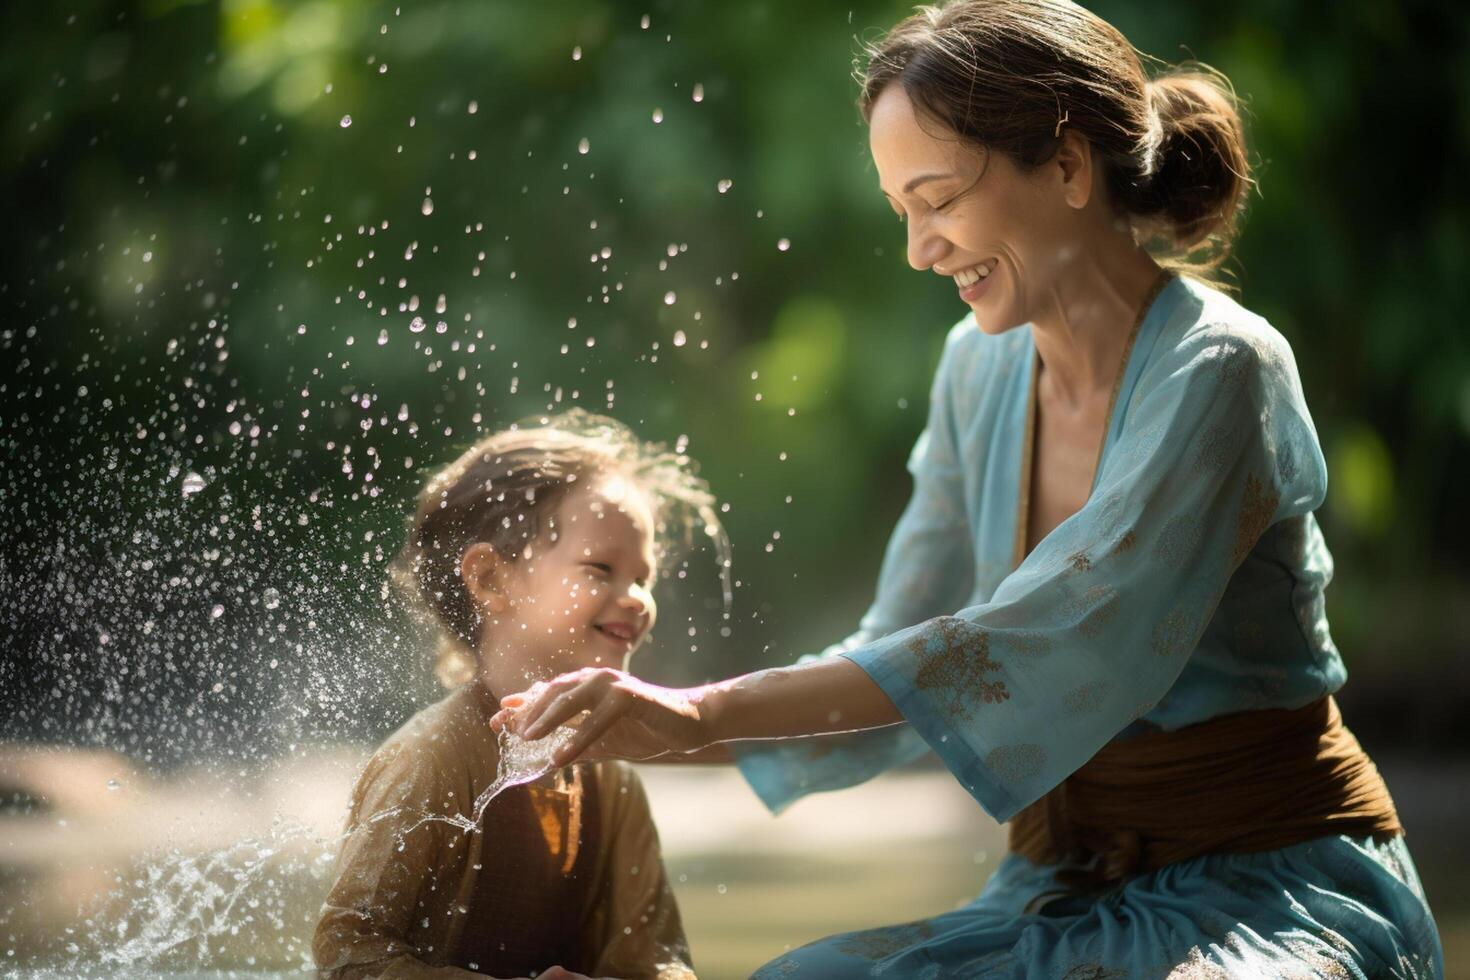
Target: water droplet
(441,304)
(428,206)
(669,298)
(417,325)
(724,185)
(698,93)
(783,244)
(193,483)
(270,598)
(382,337)
(114,785)
(644,22)
(217,611)
(721,888)
(577,53)
(474,107)
(346,121)
(147,256)
(679,339)
(583,146)
(658,115)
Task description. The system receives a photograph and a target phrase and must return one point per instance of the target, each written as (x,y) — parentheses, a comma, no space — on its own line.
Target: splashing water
(520,762)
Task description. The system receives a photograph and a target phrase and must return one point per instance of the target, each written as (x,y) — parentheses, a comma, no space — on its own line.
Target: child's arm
(385,864)
(635,923)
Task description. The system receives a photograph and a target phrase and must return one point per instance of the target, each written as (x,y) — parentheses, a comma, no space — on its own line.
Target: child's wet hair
(506,490)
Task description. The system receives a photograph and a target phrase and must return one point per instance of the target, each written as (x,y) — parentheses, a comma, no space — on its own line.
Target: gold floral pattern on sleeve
(876,944)
(1216,447)
(1175,633)
(1092,609)
(954,658)
(1028,643)
(1013,763)
(1086,697)
(1177,541)
(1257,508)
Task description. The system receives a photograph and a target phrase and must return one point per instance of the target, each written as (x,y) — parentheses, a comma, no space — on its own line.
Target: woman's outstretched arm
(634,719)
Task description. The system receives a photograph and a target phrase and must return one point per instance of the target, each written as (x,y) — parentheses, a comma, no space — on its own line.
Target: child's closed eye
(601,569)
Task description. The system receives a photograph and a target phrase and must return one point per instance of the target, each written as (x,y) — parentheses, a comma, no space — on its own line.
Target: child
(535,552)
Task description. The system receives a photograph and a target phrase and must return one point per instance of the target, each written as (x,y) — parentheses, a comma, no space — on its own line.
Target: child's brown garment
(563,871)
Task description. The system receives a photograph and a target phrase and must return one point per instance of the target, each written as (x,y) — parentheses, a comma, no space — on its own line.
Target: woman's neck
(1085,318)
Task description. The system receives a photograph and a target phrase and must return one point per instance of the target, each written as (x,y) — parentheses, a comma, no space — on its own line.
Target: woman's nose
(924,247)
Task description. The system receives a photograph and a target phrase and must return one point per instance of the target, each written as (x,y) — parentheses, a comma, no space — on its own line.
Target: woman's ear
(484,574)
(1073,167)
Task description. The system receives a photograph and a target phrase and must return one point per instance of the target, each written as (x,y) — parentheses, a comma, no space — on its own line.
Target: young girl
(535,553)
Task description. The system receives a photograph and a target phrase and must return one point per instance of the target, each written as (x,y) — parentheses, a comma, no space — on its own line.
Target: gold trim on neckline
(1023,516)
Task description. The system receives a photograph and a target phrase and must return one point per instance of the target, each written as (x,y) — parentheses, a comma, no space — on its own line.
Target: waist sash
(1255,781)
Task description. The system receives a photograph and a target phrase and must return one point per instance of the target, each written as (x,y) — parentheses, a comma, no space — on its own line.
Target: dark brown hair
(1012,75)
(506,490)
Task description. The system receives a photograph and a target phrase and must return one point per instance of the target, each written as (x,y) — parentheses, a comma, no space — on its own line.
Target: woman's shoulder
(1208,333)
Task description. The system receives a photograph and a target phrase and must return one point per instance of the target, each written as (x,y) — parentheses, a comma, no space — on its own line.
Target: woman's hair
(1012,75)
(506,490)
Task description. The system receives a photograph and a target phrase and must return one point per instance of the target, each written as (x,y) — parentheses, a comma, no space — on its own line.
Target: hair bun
(1200,172)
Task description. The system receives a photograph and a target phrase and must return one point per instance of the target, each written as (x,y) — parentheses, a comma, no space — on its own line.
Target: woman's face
(1001,235)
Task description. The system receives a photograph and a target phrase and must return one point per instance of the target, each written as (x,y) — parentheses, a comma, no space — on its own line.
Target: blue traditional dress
(1189,586)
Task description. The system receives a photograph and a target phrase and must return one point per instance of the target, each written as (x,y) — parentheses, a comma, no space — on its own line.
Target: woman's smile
(975,281)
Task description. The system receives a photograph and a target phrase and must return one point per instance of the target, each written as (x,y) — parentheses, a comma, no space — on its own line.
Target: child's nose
(636,599)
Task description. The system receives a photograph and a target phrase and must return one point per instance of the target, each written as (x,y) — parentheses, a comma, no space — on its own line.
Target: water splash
(520,762)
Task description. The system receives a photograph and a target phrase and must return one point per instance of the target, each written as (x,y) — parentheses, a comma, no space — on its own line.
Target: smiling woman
(1103,607)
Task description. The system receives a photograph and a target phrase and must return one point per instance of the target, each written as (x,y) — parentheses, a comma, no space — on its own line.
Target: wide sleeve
(635,922)
(1096,624)
(389,858)
(928,569)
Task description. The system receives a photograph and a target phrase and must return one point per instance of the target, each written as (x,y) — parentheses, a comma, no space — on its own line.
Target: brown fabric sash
(1255,781)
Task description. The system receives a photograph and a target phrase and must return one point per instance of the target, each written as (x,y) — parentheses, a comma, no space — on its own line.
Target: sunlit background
(267,265)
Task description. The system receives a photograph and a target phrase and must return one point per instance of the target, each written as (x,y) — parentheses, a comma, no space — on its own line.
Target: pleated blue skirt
(1332,907)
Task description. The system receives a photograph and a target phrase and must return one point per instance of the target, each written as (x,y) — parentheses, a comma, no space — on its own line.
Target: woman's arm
(632,718)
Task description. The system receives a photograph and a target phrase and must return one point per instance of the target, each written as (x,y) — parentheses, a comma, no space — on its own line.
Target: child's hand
(625,717)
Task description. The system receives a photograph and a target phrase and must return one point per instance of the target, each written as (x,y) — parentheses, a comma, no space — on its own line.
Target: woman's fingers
(557,701)
(609,712)
(581,693)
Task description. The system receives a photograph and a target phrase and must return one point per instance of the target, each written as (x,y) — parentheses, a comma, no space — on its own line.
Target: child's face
(585,599)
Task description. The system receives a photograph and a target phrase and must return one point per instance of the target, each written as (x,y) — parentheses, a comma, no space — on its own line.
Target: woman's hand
(631,719)
(625,717)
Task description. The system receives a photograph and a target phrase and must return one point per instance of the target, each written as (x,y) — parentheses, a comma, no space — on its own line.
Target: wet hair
(506,489)
(1013,75)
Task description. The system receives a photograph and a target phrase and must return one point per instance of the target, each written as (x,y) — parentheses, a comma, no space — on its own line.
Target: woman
(1103,606)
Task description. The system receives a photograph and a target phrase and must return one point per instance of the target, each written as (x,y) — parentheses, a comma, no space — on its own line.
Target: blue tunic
(1189,585)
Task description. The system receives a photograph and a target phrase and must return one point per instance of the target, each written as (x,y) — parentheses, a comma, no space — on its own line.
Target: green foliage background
(195,239)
